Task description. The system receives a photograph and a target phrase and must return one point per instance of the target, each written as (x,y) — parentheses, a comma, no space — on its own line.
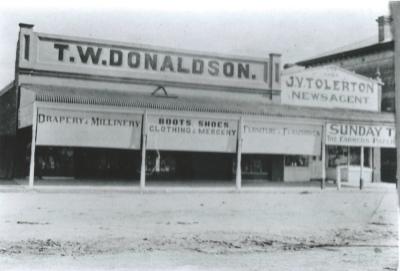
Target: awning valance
(263,107)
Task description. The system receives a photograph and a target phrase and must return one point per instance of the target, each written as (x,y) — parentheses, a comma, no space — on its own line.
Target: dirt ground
(273,229)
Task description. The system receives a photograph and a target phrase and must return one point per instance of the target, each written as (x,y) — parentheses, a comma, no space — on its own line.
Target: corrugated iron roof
(358,48)
(56,94)
(6,88)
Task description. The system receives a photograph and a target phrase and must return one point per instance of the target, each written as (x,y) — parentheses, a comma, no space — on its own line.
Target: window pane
(355,155)
(296,161)
(337,156)
(366,157)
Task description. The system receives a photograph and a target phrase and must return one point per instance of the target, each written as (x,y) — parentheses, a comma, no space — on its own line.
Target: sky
(296,29)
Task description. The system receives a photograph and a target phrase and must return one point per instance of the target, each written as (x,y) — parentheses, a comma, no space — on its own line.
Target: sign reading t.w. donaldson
(88,129)
(191,134)
(360,135)
(330,87)
(280,138)
(105,60)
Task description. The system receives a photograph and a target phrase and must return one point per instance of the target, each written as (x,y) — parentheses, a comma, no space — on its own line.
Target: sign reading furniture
(330,87)
(281,138)
(96,59)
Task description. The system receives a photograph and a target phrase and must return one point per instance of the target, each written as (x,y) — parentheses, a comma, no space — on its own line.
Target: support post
(33,147)
(239,156)
(338,178)
(377,165)
(348,164)
(370,157)
(323,158)
(361,168)
(144,145)
(371,163)
(395,14)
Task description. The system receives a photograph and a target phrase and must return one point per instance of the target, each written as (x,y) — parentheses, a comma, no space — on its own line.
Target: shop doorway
(348,159)
(58,163)
(262,168)
(188,167)
(106,164)
(388,165)
(79,163)
(315,167)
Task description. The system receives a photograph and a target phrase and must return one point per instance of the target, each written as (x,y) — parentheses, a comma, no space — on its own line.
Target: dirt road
(270,230)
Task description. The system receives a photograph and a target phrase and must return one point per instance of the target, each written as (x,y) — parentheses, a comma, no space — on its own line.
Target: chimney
(384,28)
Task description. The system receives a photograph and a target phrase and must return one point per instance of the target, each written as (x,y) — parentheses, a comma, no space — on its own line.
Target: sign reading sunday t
(360,135)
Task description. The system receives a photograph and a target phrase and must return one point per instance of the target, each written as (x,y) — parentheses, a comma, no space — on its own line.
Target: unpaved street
(277,229)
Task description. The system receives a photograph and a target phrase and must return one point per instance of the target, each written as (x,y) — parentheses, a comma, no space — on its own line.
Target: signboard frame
(275,132)
(78,57)
(349,134)
(80,119)
(214,134)
(330,87)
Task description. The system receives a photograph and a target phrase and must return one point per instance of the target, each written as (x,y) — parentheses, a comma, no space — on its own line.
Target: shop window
(388,105)
(296,161)
(158,163)
(106,163)
(57,161)
(253,166)
(355,155)
(367,161)
(337,156)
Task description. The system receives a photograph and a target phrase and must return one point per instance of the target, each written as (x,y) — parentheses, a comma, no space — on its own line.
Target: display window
(252,166)
(158,163)
(296,161)
(367,157)
(337,156)
(343,155)
(54,161)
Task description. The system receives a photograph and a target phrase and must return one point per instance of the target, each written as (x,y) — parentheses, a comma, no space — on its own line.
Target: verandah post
(144,145)
(239,156)
(33,147)
(323,158)
(395,14)
(338,178)
(361,168)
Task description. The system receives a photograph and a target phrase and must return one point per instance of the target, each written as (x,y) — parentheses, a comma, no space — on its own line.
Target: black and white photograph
(199,135)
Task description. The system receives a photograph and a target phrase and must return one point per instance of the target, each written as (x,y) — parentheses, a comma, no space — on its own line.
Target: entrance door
(315,167)
(211,166)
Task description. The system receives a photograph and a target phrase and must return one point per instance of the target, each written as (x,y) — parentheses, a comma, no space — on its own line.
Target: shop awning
(69,95)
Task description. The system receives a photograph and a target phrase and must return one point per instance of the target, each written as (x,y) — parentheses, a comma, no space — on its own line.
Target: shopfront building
(107,110)
(347,143)
(369,56)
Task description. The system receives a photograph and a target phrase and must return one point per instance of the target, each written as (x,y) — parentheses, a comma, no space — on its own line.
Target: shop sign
(145,64)
(330,87)
(203,134)
(56,127)
(281,138)
(360,135)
